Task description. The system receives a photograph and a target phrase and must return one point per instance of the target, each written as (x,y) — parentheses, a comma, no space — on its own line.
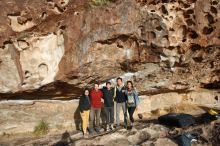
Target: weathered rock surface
(55,48)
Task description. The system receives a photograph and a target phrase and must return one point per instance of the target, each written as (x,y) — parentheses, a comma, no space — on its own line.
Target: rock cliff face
(54,48)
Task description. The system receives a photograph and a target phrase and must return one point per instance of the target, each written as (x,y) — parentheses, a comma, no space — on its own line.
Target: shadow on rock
(77,119)
(65,140)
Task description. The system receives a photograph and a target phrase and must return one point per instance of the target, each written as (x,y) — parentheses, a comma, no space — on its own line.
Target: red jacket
(95,98)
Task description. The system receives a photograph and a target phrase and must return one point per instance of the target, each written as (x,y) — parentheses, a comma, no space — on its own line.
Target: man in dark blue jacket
(120,99)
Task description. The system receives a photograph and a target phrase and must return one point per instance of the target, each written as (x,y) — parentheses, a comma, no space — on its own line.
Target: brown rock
(163,47)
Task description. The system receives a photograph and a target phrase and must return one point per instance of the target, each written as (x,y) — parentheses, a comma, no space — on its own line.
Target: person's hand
(102,100)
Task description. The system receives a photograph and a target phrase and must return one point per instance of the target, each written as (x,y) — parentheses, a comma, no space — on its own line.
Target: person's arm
(114,96)
(101,94)
(102,90)
(137,100)
(137,97)
(90,97)
(126,95)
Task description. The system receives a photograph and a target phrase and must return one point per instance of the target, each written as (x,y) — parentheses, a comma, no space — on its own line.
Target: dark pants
(131,112)
(109,112)
(94,115)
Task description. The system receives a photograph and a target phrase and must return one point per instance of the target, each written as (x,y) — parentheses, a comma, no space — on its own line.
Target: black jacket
(84,103)
(108,96)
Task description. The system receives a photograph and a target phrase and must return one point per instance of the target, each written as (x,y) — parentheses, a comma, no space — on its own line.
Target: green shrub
(59,126)
(41,128)
(95,3)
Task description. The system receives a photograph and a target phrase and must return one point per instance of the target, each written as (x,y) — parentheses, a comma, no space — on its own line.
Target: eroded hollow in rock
(210,18)
(214,85)
(213,10)
(27,74)
(193,34)
(208,30)
(195,47)
(20,22)
(164,10)
(190,22)
(198,59)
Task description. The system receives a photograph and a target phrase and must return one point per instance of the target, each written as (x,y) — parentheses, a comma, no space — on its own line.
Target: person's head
(119,81)
(86,92)
(130,85)
(108,85)
(96,86)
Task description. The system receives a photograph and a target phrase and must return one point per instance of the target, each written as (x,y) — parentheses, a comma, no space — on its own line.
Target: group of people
(122,96)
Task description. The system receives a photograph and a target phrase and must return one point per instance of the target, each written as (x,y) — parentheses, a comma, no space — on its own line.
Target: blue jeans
(120,106)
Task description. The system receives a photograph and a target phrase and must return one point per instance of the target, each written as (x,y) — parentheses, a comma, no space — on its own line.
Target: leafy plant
(41,128)
(23,36)
(59,126)
(95,3)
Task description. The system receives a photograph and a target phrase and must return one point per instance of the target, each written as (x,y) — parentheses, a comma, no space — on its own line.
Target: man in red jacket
(96,105)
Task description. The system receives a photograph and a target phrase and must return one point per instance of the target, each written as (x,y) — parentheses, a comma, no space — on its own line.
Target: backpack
(183,140)
(208,118)
(177,120)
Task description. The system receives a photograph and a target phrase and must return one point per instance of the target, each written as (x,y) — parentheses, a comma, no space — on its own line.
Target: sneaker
(117,126)
(85,135)
(97,131)
(108,128)
(112,127)
(91,131)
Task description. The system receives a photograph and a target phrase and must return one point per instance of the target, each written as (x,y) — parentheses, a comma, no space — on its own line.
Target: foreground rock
(144,133)
(51,49)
